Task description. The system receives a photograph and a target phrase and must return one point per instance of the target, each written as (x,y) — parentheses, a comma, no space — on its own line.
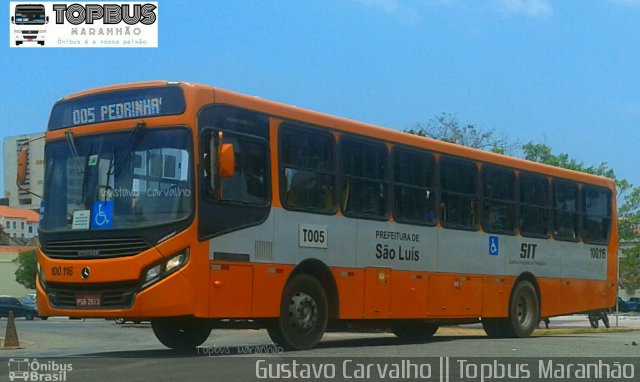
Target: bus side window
(307,169)
(415,198)
(596,209)
(565,210)
(364,174)
(249,183)
(458,180)
(534,206)
(498,200)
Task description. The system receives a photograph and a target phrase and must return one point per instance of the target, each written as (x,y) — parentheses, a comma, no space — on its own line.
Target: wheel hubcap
(303,311)
(524,310)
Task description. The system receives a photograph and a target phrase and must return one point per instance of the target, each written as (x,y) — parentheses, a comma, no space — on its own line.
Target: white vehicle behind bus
(29,23)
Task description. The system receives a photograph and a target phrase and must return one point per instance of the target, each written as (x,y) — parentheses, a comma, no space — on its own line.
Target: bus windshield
(30,15)
(128,179)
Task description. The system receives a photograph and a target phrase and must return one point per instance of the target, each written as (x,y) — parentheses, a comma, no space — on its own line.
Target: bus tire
(524,314)
(414,331)
(304,314)
(524,309)
(182,333)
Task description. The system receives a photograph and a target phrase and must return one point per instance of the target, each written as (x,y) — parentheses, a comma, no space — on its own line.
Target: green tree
(445,127)
(27,268)
(630,268)
(4,238)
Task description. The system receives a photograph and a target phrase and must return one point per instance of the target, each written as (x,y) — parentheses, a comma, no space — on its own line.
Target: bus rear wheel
(524,314)
(183,333)
(303,314)
(415,330)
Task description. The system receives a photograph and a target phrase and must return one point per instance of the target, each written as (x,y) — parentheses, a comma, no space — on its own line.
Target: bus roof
(341,124)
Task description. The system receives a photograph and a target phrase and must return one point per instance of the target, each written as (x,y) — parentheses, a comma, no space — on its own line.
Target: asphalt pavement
(103,350)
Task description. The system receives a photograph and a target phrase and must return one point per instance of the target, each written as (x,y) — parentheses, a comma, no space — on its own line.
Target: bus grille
(95,248)
(112,295)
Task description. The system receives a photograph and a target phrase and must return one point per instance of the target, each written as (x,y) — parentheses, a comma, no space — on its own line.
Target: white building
(35,171)
(19,223)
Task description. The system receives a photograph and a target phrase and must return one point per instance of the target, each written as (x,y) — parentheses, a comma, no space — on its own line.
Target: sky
(565,73)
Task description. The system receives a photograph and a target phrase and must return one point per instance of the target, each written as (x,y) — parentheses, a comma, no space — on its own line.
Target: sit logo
(24,369)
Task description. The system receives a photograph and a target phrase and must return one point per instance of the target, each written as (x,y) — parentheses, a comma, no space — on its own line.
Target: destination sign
(117,105)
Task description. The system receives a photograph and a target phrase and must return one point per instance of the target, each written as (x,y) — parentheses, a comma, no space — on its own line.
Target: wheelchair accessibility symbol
(102,215)
(494,245)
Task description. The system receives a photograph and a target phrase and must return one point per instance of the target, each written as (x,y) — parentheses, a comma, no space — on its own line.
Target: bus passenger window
(364,187)
(596,209)
(307,169)
(565,213)
(415,199)
(249,183)
(534,206)
(498,200)
(459,179)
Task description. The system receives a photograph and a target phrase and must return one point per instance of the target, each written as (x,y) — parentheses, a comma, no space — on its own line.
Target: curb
(459,331)
(560,331)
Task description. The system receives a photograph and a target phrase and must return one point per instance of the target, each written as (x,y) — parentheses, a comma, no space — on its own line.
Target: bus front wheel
(182,333)
(524,314)
(303,314)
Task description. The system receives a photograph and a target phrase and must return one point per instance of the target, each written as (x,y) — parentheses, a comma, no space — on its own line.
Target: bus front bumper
(170,296)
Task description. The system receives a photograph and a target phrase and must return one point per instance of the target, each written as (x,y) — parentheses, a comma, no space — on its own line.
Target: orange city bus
(198,208)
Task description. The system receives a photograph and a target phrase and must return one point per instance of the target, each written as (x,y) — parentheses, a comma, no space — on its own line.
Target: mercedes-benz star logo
(85,273)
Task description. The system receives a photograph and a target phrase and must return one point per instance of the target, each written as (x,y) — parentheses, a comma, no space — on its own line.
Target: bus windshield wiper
(132,141)
(74,150)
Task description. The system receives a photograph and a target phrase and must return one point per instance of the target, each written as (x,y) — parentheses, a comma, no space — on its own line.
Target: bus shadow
(270,349)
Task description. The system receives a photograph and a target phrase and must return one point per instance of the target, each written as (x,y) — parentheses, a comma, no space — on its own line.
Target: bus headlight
(161,270)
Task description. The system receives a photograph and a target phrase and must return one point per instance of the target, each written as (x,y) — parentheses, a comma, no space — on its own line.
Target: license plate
(88,300)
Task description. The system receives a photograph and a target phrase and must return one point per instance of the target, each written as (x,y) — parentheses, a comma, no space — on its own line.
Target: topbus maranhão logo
(83,25)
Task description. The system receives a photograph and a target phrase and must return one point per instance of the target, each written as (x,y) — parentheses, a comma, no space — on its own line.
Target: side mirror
(21,178)
(227,160)
(13,19)
(222,162)
(46,20)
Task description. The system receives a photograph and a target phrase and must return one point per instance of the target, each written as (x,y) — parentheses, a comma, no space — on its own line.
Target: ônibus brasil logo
(84,25)
(24,369)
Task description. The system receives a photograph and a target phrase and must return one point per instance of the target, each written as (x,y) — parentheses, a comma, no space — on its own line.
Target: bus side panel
(268,284)
(455,296)
(350,284)
(231,290)
(585,295)
(552,297)
(496,293)
(377,292)
(409,292)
